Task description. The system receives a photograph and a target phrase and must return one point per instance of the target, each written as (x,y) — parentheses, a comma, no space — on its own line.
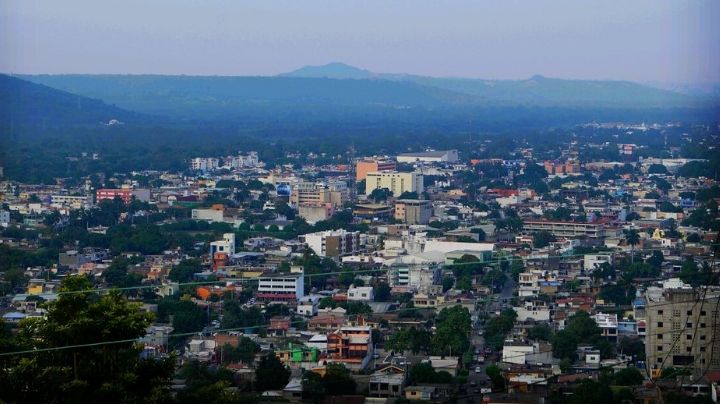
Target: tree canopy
(103,371)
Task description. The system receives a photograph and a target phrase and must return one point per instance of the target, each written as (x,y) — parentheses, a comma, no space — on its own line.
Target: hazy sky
(640,40)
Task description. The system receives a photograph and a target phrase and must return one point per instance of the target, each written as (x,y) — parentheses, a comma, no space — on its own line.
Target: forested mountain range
(23,103)
(338,92)
(535,91)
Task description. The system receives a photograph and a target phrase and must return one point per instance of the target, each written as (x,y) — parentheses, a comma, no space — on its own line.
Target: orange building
(363,167)
(503,193)
(220,259)
(204,292)
(351,346)
(569,167)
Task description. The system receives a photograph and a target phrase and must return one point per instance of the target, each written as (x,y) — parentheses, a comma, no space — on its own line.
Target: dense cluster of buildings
(385,235)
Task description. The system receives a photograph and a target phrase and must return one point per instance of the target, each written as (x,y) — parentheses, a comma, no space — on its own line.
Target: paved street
(477,380)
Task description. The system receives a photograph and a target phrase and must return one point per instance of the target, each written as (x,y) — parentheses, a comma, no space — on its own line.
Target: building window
(689,312)
(688,325)
(660,312)
(702,325)
(688,337)
(659,348)
(660,324)
(660,336)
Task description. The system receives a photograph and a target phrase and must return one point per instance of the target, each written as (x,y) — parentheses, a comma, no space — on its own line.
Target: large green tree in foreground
(86,351)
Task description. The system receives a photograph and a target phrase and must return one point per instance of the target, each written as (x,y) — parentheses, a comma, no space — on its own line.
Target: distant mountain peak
(339,65)
(333,70)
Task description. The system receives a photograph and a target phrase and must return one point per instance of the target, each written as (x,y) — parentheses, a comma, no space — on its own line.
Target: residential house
(360,293)
(387,382)
(351,346)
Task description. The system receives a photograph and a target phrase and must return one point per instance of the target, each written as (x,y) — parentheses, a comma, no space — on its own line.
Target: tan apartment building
(413,211)
(309,193)
(396,182)
(682,330)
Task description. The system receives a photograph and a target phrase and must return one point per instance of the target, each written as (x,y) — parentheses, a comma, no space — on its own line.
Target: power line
(712,349)
(679,333)
(386,269)
(222,330)
(250,327)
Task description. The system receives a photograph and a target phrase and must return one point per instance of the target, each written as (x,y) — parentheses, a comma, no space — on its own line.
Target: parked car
(478,369)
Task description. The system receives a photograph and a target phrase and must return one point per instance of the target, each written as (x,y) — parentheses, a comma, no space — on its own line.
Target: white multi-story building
(308,305)
(204,163)
(566,229)
(333,243)
(533,310)
(281,287)
(528,284)
(422,278)
(532,280)
(242,161)
(71,201)
(432,156)
(593,261)
(226,245)
(608,324)
(396,182)
(521,353)
(211,215)
(415,277)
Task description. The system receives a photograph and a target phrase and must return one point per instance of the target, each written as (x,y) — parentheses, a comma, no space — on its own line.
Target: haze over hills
(25,103)
(537,90)
(338,92)
(224,97)
(330,85)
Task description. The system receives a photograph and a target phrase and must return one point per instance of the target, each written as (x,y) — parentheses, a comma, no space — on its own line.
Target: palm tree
(633,238)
